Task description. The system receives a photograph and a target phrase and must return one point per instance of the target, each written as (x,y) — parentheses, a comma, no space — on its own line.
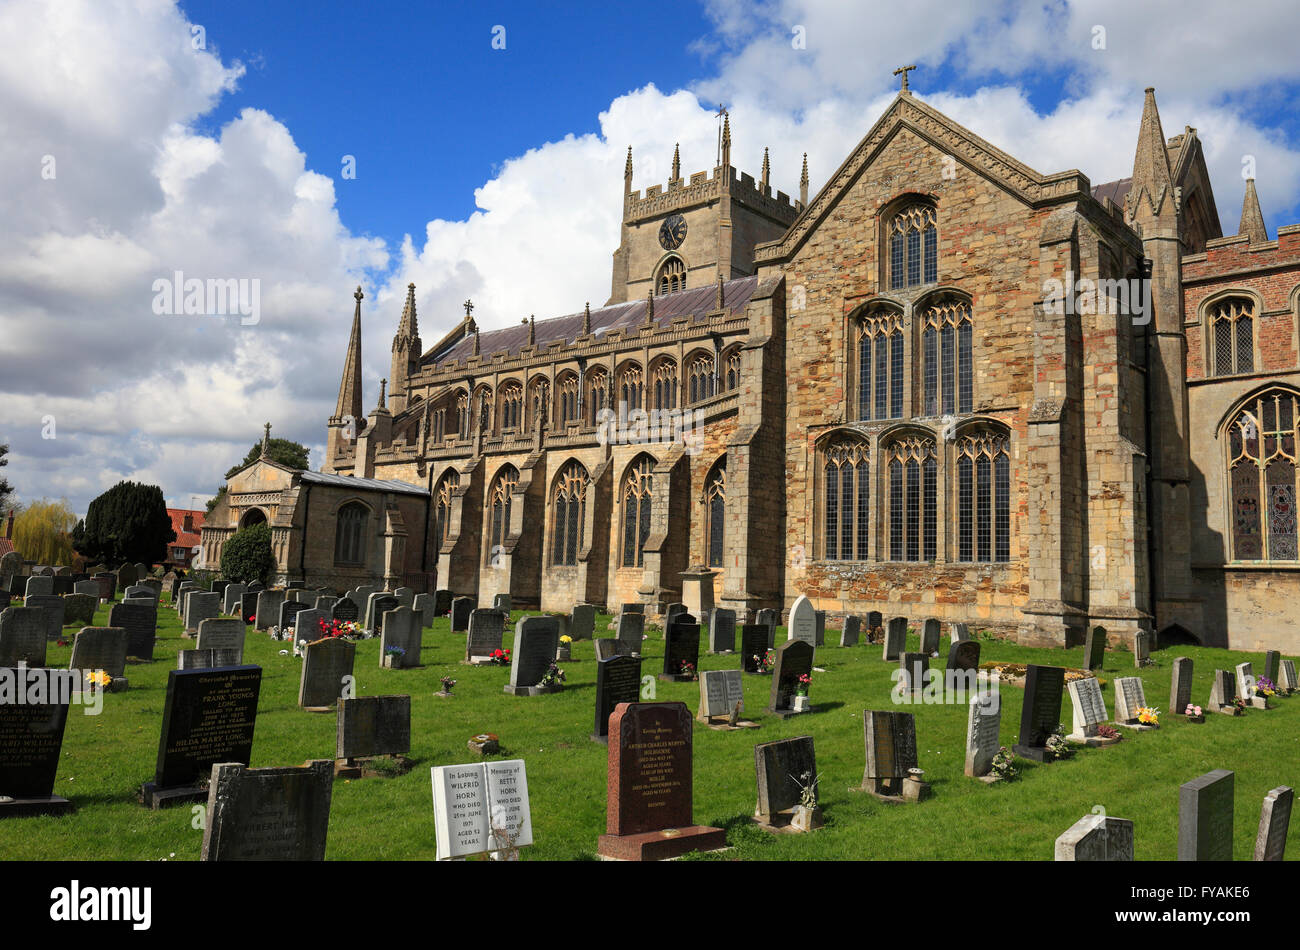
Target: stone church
(947,385)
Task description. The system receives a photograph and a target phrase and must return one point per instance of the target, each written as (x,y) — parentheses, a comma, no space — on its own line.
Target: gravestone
(373,725)
(753,645)
(290,609)
(1041,713)
(794,658)
(442,602)
(178,599)
(1095,647)
(140,590)
(405,596)
(1180,689)
(63,583)
(219,588)
(890,739)
(1141,648)
(1272,662)
(39,584)
(426,604)
(460,611)
(1096,838)
(323,603)
(681,646)
(481,807)
(631,630)
(101,648)
(268,608)
(31,743)
(306,625)
(256,586)
(618,680)
(279,814)
(52,609)
(501,602)
(649,786)
(1289,679)
(895,639)
(964,655)
(345,609)
(673,611)
(87,587)
(126,576)
(295,585)
(201,606)
(769,617)
(486,627)
(819,628)
(379,604)
(720,692)
(79,610)
(140,622)
(362,594)
(11,562)
(401,629)
(218,633)
(1274,819)
(1205,817)
(1129,698)
(1246,686)
(22,637)
(958,632)
(1224,692)
(107,585)
(850,631)
(637,608)
(208,717)
(803,622)
(1089,709)
(207,659)
(983,721)
(582,621)
(722,630)
(607,647)
(914,667)
(930,637)
(781,771)
(536,640)
(248,606)
(326,672)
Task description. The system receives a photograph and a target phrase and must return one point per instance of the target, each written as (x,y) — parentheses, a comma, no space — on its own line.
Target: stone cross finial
(383,385)
(358,294)
(903,71)
(469,308)
(266,439)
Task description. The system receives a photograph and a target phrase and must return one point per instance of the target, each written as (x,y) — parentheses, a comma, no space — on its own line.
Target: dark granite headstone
(895,639)
(326,672)
(536,641)
(441,602)
(268,608)
(268,814)
(914,666)
(141,626)
(850,631)
(63,584)
(1205,817)
(401,628)
(890,739)
(681,645)
(793,659)
(1094,648)
(378,604)
(1180,688)
(618,680)
(39,584)
(722,630)
(208,717)
(1041,713)
(631,630)
(22,637)
(345,609)
(486,627)
(1272,665)
(31,740)
(289,609)
(930,636)
(248,606)
(780,769)
(1224,691)
(649,785)
(373,725)
(582,622)
(460,611)
(753,645)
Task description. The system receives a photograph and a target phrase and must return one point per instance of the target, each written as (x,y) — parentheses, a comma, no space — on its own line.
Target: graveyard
(105,758)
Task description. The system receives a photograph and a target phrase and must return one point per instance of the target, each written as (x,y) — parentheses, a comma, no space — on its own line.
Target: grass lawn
(107,757)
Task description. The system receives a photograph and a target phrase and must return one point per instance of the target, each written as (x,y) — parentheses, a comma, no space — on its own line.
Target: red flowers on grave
(337,628)
(687,669)
(802,684)
(500,657)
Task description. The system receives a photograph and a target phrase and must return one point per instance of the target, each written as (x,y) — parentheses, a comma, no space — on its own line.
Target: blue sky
(484,173)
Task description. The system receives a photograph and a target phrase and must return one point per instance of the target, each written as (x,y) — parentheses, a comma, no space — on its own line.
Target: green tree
(284,451)
(41,532)
(247,557)
(129,522)
(6,490)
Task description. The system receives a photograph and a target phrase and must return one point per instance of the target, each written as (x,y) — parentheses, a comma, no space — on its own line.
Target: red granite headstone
(649,782)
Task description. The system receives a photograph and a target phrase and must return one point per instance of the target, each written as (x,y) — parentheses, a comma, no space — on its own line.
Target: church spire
(803,182)
(349,403)
(627,172)
(677,162)
(1152,178)
(726,140)
(409,326)
(406,352)
(1252,218)
(766,169)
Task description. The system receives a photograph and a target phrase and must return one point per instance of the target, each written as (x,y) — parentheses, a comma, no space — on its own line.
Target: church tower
(691,232)
(406,354)
(349,416)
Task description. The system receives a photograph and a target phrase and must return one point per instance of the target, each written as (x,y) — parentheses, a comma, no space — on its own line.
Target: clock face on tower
(672,232)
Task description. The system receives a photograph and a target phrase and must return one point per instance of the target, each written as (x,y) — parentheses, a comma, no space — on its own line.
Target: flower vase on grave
(801,703)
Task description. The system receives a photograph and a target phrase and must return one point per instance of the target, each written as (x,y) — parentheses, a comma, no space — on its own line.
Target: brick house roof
(187,538)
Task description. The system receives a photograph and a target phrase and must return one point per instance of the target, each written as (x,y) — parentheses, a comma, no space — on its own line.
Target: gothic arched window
(499,500)
(597,394)
(637,495)
(512,405)
(1262,477)
(672,277)
(913,247)
(879,335)
(462,414)
(984,497)
(947,372)
(631,385)
(1232,336)
(912,481)
(663,377)
(715,504)
(350,534)
(569,399)
(442,507)
(846,500)
(570,498)
(699,382)
(731,361)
